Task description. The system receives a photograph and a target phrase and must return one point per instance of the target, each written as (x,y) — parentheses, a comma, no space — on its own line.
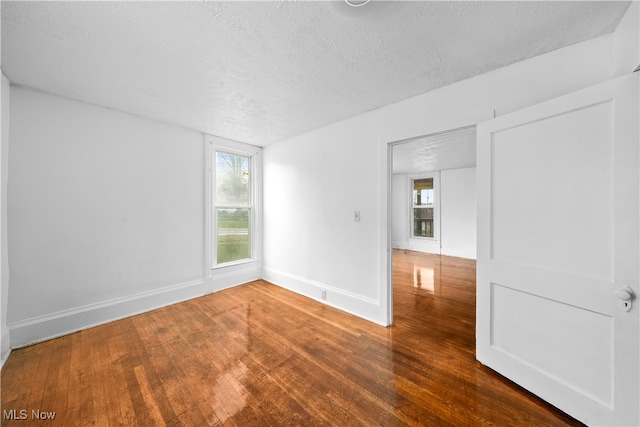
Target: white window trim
(435,175)
(213,144)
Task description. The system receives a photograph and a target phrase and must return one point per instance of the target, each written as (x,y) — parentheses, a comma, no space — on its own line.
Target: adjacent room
(320,213)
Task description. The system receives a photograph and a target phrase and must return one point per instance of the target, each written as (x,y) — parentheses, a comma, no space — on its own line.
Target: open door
(558,251)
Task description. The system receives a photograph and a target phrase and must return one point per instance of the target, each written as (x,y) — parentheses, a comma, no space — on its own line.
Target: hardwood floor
(259,355)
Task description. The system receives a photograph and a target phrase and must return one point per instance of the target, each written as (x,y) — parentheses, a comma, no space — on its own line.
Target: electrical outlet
(356,216)
(323,294)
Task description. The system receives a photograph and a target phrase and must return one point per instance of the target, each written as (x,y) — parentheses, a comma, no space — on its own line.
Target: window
(423,213)
(233,213)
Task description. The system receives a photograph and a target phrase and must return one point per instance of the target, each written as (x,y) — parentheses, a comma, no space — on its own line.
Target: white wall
(400,201)
(311,241)
(314,181)
(457,213)
(5,342)
(626,42)
(106,215)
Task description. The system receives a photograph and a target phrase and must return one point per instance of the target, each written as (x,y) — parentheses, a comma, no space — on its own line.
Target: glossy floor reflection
(259,355)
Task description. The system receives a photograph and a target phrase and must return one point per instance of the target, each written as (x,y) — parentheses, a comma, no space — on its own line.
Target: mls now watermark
(23,414)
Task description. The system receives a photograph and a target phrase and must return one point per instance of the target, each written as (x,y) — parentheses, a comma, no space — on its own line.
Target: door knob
(625,295)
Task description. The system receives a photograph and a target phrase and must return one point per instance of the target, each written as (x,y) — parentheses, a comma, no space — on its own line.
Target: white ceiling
(259,72)
(448,150)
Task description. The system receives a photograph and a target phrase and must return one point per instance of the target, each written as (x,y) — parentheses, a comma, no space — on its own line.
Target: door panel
(566,356)
(531,178)
(558,216)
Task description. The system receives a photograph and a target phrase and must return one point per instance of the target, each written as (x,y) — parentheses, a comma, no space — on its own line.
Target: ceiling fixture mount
(356,3)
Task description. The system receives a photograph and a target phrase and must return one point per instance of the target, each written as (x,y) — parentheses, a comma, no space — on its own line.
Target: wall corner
(626,42)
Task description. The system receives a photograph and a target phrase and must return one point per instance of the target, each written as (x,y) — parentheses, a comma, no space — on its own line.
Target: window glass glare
(423,208)
(423,222)
(232,235)
(232,180)
(423,192)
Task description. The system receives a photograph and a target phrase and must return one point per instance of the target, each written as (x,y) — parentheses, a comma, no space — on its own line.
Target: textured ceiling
(259,72)
(449,150)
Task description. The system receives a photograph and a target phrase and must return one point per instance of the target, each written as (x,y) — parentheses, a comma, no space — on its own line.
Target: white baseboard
(460,253)
(41,328)
(358,305)
(5,347)
(233,275)
(4,358)
(432,249)
(400,245)
(424,245)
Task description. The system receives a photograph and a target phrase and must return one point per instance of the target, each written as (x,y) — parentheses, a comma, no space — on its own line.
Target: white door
(558,236)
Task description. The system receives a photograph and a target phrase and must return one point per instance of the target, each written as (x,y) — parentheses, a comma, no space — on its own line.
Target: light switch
(356,216)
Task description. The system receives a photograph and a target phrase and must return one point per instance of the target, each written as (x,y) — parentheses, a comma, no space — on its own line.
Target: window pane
(232,235)
(423,192)
(232,180)
(423,222)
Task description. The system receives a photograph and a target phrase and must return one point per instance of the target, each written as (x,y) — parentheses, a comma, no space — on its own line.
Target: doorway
(432,200)
(433,193)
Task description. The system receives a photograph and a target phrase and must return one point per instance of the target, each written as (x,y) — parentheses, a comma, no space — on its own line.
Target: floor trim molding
(358,305)
(41,328)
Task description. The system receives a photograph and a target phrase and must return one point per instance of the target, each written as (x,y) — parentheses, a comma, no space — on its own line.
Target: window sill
(234,263)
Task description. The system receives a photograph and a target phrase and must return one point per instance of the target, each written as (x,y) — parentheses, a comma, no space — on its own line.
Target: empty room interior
(346,213)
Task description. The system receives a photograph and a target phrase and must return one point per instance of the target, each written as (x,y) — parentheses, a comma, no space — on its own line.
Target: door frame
(429,129)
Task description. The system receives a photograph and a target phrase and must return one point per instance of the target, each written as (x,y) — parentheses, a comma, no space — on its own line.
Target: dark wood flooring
(259,355)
